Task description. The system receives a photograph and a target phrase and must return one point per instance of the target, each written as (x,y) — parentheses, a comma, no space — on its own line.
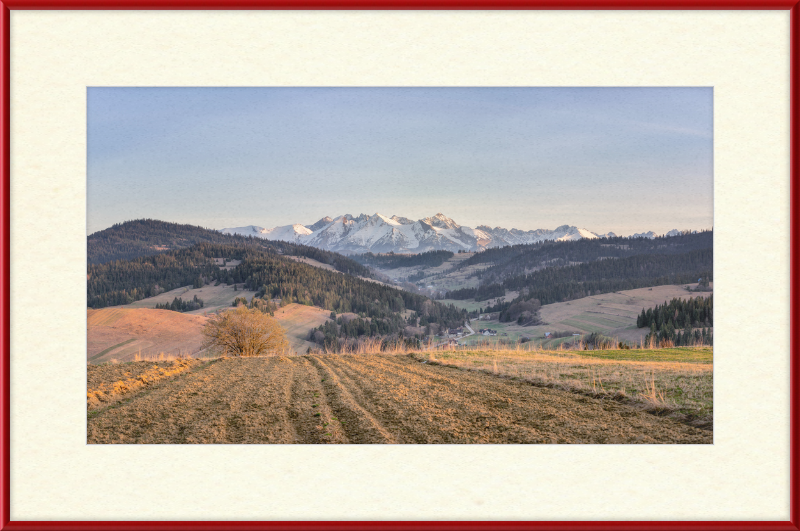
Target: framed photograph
(399,266)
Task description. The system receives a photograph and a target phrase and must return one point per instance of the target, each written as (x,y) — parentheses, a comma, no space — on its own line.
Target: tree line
(693,312)
(668,336)
(180,305)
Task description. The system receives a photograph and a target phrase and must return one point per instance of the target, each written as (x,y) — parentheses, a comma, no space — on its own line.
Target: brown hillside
(122,333)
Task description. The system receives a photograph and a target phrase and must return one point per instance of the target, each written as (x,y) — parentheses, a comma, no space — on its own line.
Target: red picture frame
(7,5)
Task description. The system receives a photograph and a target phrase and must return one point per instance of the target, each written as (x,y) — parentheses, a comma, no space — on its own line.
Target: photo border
(5,441)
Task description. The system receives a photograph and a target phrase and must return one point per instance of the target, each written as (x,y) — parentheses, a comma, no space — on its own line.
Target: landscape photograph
(453,265)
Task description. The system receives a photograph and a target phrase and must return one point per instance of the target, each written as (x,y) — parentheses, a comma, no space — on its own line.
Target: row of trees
(692,312)
(180,305)
(669,336)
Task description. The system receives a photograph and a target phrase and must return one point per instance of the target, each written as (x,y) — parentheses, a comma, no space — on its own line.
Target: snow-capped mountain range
(380,234)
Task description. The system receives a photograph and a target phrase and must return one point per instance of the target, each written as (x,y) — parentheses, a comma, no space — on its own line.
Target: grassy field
(297,320)
(214,297)
(676,382)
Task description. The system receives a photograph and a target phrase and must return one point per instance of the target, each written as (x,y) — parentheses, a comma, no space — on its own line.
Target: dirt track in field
(368,399)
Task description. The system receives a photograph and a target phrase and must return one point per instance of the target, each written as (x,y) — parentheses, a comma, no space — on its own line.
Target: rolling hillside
(123,333)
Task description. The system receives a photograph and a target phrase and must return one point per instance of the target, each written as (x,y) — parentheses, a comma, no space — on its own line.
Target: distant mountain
(288,233)
(381,234)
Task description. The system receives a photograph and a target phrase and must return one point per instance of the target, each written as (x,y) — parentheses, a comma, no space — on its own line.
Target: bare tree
(245,332)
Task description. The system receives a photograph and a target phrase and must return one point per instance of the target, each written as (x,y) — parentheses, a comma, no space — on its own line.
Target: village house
(455,332)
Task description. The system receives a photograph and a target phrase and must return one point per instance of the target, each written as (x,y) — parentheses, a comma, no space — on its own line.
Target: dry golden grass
(681,388)
(108,383)
(670,381)
(124,333)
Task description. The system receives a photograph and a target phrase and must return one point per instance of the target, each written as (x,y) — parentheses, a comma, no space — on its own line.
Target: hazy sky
(606,159)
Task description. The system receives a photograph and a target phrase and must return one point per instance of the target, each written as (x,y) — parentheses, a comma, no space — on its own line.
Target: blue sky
(607,159)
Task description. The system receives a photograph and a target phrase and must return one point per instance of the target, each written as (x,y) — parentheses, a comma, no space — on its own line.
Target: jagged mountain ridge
(381,234)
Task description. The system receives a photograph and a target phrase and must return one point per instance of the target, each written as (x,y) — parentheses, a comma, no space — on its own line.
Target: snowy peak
(250,230)
(402,220)
(380,234)
(440,221)
(324,222)
(288,233)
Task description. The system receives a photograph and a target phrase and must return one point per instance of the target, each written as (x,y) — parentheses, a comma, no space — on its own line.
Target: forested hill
(559,284)
(271,275)
(145,237)
(149,237)
(520,259)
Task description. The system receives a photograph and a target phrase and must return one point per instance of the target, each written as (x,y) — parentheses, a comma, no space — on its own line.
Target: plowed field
(368,399)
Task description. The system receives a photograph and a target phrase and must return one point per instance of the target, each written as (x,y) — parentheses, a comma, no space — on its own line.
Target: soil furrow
(367,399)
(438,409)
(357,423)
(518,412)
(379,403)
(233,401)
(309,409)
